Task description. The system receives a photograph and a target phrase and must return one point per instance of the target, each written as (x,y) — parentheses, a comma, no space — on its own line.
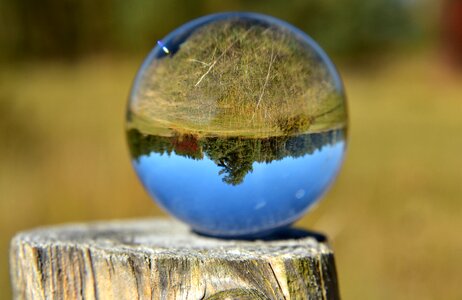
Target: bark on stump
(162,259)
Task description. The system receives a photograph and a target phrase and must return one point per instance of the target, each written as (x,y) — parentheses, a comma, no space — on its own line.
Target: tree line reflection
(234,155)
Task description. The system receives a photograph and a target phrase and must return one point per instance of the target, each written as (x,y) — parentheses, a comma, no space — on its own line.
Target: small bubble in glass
(236,124)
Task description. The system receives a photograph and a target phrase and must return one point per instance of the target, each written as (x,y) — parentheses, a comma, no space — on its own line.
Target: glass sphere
(236,124)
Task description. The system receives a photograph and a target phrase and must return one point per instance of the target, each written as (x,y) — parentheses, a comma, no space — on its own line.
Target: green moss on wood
(243,294)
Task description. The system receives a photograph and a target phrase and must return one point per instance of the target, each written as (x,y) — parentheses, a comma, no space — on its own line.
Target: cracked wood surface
(162,259)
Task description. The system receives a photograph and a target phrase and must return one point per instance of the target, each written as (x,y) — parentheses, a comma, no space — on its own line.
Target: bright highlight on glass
(163,47)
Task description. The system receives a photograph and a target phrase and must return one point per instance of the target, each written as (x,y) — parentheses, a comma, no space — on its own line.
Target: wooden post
(162,259)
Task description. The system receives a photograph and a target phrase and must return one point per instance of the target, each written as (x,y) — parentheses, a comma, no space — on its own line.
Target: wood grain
(162,259)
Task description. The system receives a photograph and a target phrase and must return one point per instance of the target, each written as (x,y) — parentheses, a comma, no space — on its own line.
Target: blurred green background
(394,216)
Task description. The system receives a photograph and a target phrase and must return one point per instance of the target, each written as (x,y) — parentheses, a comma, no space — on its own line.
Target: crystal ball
(236,124)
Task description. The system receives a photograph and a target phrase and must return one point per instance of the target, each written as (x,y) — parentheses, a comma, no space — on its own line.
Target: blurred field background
(394,216)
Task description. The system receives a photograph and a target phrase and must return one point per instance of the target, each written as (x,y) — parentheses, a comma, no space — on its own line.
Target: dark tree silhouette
(234,155)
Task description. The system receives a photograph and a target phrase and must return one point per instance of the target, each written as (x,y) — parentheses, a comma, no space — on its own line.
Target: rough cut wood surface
(162,259)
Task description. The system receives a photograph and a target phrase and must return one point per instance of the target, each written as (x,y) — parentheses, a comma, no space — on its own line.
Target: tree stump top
(163,259)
